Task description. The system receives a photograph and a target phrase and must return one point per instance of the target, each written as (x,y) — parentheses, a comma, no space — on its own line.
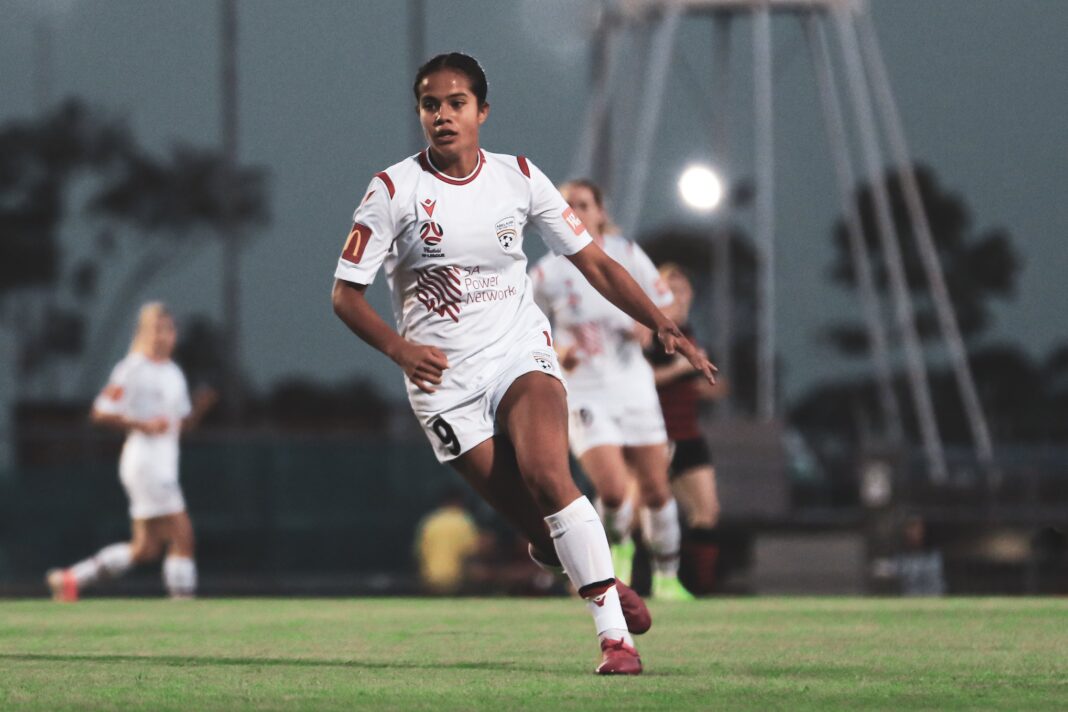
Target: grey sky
(325,102)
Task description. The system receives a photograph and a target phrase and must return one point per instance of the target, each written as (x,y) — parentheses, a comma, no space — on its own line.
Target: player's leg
(112,561)
(533,412)
(610,476)
(695,489)
(608,473)
(490,469)
(179,568)
(659,517)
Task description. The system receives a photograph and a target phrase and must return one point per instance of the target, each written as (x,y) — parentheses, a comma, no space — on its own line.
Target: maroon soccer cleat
(63,584)
(618,658)
(634,609)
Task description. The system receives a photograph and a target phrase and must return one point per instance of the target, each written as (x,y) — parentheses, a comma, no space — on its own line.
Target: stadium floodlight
(701,188)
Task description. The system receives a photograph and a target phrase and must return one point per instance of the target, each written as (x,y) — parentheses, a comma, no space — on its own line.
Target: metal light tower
(865,74)
(231,243)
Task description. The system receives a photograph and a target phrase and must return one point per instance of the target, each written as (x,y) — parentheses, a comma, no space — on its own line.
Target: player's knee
(145,551)
(613,497)
(655,496)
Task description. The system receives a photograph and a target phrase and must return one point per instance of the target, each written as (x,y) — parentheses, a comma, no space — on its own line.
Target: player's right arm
(365,249)
(111,407)
(423,365)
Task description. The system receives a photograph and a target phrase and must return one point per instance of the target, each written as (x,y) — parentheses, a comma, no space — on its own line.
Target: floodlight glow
(700,188)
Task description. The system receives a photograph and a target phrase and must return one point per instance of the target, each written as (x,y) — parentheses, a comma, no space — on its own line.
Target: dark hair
(461,62)
(589,185)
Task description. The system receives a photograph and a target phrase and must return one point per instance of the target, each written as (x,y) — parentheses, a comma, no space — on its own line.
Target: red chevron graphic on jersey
(428,206)
(438,289)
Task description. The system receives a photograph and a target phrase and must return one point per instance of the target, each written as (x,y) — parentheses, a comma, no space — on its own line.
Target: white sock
(617,521)
(180,576)
(111,561)
(581,544)
(660,530)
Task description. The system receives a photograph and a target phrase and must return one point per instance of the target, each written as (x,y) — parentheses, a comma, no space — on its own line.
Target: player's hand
(153,426)
(570,358)
(204,398)
(674,341)
(423,365)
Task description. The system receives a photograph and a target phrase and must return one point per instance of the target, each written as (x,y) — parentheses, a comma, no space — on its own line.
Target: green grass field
(507,654)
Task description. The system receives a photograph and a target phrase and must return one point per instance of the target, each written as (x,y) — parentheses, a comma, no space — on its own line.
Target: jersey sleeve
(647,276)
(115,398)
(560,228)
(372,233)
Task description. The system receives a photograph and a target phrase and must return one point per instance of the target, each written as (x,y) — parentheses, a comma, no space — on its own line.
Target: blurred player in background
(615,426)
(483,380)
(146,397)
(693,477)
(446,540)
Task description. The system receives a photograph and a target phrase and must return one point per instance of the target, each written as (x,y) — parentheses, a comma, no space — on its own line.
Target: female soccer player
(146,397)
(482,376)
(616,427)
(693,476)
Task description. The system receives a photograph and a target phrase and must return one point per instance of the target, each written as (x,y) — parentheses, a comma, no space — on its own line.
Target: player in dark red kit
(447,227)
(693,476)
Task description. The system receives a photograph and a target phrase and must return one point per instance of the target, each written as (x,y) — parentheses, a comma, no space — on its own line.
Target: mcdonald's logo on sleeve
(356,243)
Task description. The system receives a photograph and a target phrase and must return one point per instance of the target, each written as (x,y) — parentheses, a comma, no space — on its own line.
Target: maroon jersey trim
(385,179)
(424,161)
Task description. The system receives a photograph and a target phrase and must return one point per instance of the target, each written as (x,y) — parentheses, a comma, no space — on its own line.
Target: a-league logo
(431,233)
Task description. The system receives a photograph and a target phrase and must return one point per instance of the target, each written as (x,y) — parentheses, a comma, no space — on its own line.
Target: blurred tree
(977,267)
(1025,401)
(39,160)
(174,204)
(301,404)
(201,351)
(170,203)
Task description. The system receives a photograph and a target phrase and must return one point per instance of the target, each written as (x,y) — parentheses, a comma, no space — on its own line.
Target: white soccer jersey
(611,360)
(453,255)
(142,389)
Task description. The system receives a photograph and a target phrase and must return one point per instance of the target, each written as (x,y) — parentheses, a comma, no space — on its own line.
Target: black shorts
(688,454)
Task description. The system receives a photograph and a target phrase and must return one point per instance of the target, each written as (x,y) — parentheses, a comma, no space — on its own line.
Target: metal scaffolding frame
(875,121)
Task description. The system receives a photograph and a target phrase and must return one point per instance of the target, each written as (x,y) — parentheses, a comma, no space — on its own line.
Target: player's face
(683,293)
(583,202)
(164,336)
(450,114)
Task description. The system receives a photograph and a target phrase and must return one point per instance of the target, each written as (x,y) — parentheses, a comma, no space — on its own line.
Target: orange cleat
(63,584)
(618,658)
(634,609)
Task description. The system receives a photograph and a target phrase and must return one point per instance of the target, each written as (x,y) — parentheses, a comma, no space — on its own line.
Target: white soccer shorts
(151,496)
(623,422)
(457,429)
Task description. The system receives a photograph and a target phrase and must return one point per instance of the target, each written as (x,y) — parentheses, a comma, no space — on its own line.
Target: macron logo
(428,206)
(573,221)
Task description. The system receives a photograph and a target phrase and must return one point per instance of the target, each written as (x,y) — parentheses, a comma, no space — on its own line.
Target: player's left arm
(203,400)
(617,286)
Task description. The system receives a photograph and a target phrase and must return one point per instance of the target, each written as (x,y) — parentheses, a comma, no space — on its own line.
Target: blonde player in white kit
(147,398)
(447,226)
(616,426)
